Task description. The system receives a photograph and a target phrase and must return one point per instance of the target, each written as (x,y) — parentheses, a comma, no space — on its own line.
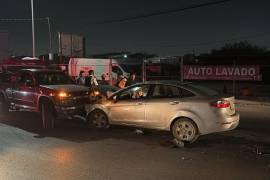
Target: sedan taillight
(220,104)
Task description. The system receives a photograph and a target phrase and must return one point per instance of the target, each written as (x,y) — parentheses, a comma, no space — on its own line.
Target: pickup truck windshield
(53,78)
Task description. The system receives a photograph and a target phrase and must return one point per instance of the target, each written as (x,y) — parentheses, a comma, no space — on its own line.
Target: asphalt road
(73,151)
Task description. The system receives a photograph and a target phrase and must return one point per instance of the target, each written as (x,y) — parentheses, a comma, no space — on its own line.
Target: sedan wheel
(98,119)
(185,130)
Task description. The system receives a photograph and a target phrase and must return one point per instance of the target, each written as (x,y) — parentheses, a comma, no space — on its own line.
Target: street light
(50,39)
(33,30)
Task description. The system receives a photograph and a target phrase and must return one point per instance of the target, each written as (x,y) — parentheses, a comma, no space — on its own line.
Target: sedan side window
(164,91)
(125,95)
(186,93)
(137,92)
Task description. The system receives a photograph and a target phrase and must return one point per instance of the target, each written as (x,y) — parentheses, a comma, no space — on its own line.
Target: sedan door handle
(174,103)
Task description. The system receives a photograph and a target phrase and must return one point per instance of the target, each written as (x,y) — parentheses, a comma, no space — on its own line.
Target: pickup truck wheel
(98,119)
(47,115)
(3,105)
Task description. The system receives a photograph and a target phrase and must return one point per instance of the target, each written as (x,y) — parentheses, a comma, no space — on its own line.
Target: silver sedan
(186,110)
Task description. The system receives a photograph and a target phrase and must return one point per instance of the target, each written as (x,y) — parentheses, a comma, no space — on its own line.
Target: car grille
(75,101)
(80,100)
(79,93)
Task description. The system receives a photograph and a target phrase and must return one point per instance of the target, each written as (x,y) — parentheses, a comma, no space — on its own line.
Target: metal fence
(147,71)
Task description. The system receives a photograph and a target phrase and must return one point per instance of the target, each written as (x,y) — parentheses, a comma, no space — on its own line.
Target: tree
(242,48)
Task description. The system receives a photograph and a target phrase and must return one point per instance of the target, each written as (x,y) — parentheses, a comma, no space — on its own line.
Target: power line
(21,19)
(158,13)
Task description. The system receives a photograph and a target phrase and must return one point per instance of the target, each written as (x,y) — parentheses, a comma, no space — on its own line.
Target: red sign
(224,72)
(153,68)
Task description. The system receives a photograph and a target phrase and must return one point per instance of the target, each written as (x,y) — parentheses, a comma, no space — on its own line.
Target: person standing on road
(91,80)
(103,80)
(132,79)
(121,81)
(80,80)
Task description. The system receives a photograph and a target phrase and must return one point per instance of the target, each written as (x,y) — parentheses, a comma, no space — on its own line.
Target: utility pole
(50,39)
(33,30)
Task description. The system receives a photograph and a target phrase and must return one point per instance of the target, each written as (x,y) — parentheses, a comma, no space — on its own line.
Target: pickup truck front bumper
(69,112)
(71,106)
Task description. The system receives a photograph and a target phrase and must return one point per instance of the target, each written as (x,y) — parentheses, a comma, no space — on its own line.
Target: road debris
(178,143)
(257,149)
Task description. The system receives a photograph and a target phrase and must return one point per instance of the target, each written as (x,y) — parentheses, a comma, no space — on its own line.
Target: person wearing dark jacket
(132,79)
(91,80)
(103,80)
(80,80)
(121,81)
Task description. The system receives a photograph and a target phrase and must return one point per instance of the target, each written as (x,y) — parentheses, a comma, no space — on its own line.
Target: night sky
(196,30)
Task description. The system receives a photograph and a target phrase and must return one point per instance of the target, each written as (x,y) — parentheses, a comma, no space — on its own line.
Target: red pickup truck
(49,92)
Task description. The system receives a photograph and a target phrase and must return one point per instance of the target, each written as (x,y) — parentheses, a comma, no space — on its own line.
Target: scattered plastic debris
(139,131)
(257,149)
(178,143)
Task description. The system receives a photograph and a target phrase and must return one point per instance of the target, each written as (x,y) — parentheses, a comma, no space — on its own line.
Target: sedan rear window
(185,93)
(203,90)
(164,91)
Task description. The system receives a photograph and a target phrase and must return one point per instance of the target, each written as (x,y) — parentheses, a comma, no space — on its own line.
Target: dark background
(196,30)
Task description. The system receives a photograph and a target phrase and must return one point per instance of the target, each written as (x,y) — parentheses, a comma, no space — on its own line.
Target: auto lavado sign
(223,72)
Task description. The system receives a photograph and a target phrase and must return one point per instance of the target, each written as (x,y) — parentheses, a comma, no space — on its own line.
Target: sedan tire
(98,119)
(185,130)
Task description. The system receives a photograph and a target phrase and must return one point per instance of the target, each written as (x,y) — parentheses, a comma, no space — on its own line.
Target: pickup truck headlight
(63,94)
(96,93)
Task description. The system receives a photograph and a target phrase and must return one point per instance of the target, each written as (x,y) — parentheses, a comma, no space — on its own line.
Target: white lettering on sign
(209,71)
(226,72)
(200,71)
(230,71)
(190,71)
(237,72)
(252,72)
(244,71)
(197,71)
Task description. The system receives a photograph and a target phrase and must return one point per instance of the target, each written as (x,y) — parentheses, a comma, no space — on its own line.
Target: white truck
(109,67)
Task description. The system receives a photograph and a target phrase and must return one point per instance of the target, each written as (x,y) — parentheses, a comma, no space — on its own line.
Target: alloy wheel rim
(99,120)
(185,131)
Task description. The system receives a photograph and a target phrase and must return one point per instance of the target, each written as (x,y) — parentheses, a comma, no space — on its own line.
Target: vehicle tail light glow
(220,104)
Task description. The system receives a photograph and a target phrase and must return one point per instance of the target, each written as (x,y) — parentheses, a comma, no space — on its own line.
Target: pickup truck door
(24,92)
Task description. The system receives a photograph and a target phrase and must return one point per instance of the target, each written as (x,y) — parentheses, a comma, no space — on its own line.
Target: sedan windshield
(105,88)
(53,78)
